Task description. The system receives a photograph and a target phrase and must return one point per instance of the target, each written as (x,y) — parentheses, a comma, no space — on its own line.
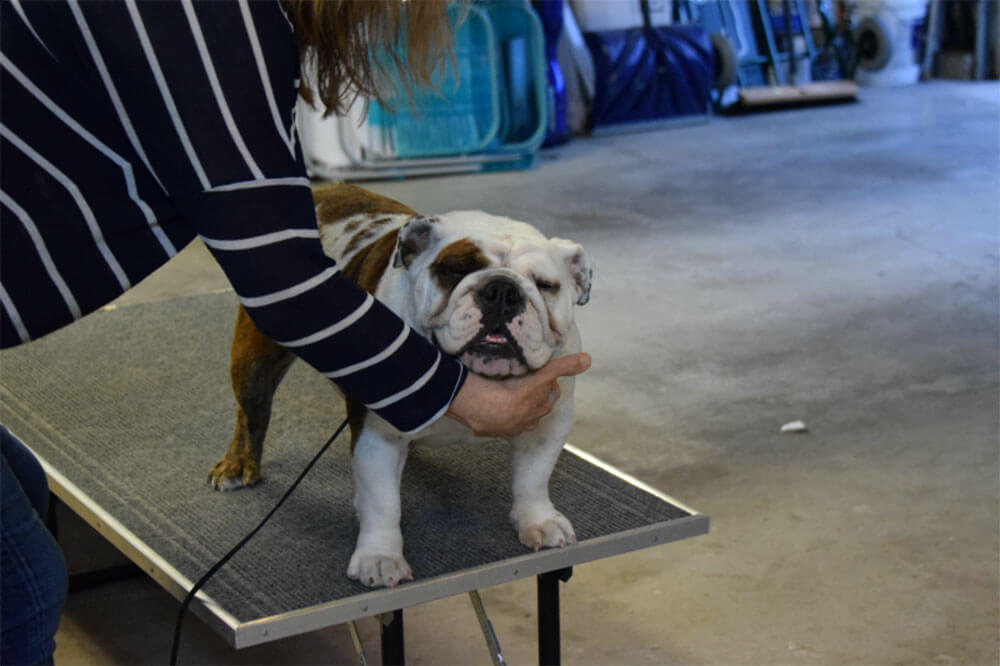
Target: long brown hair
(336,39)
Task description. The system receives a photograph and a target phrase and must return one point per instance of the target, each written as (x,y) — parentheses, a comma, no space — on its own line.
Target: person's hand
(509,407)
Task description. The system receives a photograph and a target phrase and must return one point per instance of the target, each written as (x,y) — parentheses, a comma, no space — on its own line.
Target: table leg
(549,651)
(392,641)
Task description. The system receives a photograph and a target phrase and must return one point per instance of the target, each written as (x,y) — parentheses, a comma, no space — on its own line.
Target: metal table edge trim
(628,478)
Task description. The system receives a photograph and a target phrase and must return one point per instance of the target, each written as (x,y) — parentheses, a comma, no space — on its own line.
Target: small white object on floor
(794,427)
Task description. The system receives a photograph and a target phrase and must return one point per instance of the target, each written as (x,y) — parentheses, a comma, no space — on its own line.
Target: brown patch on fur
(456,261)
(352,226)
(366,234)
(370,263)
(359,239)
(358,222)
(340,201)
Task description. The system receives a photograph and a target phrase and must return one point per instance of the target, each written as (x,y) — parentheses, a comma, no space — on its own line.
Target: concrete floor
(836,265)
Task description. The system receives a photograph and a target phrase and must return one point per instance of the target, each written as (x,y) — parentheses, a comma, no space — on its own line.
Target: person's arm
(208,91)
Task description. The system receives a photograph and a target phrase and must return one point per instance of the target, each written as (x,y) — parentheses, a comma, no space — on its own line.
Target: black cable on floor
(225,558)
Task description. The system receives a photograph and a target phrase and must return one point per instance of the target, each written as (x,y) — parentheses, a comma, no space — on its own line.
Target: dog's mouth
(498,344)
(494,354)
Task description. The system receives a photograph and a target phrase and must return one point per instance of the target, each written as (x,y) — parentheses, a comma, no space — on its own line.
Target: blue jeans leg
(33,576)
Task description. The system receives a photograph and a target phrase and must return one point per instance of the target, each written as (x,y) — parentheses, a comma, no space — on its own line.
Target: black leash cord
(225,558)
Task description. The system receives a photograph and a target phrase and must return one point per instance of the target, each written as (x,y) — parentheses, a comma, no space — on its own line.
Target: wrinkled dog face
(492,292)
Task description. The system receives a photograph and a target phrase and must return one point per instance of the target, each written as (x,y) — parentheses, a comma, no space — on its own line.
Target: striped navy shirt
(129,128)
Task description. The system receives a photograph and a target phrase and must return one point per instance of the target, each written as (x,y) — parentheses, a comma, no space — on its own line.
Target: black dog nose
(501,293)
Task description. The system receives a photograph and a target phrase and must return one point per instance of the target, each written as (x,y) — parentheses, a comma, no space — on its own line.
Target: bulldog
(490,291)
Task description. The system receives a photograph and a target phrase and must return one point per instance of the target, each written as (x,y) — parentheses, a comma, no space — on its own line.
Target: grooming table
(129,408)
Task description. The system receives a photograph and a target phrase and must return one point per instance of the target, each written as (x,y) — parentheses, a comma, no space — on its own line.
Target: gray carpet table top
(130,407)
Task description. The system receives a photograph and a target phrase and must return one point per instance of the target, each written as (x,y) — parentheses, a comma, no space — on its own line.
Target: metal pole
(982,26)
(786,8)
(359,648)
(492,644)
(931,40)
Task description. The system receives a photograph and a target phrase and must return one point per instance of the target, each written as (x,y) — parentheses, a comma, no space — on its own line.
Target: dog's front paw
(378,569)
(542,526)
(233,472)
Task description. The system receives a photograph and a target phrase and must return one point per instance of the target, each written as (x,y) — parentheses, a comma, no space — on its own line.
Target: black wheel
(873,43)
(725,62)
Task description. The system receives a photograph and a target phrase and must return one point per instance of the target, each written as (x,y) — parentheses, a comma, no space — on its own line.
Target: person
(128,129)
(34,572)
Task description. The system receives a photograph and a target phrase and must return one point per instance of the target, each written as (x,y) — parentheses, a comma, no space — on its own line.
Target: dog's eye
(545,285)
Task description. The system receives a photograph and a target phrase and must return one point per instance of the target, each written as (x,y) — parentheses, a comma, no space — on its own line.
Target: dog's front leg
(533,456)
(378,470)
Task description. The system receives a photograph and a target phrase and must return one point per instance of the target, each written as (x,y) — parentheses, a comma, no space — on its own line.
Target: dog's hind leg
(257,366)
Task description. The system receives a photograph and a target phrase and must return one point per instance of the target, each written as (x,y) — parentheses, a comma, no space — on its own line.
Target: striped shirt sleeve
(201,98)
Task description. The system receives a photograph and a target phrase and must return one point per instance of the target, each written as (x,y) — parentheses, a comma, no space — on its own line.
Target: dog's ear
(416,236)
(579,265)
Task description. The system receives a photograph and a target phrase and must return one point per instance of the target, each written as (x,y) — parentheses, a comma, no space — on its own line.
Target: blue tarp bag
(650,73)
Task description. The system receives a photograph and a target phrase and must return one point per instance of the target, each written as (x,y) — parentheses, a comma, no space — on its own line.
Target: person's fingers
(515,405)
(564,366)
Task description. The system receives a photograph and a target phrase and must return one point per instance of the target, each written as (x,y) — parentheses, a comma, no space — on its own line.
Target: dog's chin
(493,367)
(496,355)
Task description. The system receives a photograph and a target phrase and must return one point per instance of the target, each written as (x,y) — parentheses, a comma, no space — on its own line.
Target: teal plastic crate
(521,77)
(495,104)
(460,115)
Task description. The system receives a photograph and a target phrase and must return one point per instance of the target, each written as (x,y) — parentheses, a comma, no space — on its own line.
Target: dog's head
(493,292)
